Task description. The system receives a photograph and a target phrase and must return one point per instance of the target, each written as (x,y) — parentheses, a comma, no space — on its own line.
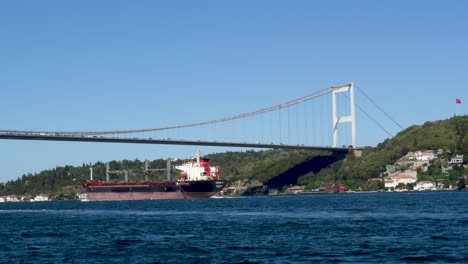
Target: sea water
(403,227)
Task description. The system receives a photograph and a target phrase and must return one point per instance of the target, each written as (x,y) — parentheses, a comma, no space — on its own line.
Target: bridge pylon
(343,119)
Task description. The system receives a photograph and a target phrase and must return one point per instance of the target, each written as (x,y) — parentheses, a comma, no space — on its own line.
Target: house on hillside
(417,158)
(425,155)
(458,159)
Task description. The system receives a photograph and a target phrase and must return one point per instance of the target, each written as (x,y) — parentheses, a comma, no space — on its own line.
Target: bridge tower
(349,88)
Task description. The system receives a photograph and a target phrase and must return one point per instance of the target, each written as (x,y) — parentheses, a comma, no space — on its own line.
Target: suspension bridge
(295,124)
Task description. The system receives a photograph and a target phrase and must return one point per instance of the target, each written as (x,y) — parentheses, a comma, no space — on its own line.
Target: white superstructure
(198,170)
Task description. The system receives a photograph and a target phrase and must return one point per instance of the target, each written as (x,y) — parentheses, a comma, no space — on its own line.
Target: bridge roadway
(50,137)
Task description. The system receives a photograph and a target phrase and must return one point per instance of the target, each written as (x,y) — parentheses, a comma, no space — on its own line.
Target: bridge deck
(165,142)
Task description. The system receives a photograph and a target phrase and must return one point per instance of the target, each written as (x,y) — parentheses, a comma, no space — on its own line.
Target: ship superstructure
(198,170)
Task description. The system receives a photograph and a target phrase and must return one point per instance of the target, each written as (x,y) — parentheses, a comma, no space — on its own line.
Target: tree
(435,169)
(401,186)
(461,184)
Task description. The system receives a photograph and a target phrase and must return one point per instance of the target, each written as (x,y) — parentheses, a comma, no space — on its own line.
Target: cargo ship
(197,180)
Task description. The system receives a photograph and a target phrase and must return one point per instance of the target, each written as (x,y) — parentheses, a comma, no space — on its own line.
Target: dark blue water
(352,228)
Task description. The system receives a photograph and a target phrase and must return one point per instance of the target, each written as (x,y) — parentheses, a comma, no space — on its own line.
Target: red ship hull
(134,196)
(167,190)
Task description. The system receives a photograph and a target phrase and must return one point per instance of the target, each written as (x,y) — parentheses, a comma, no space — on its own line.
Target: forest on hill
(274,168)
(237,167)
(450,135)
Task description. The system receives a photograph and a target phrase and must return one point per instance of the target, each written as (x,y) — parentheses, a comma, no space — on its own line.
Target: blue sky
(99,65)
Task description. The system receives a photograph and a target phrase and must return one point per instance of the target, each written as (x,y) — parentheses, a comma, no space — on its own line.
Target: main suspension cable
(258,112)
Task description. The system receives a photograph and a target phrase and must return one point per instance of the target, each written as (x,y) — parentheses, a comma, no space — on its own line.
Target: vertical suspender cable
(289,127)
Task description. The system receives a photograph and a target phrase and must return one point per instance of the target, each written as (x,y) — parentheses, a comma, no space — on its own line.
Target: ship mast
(198,156)
(168,168)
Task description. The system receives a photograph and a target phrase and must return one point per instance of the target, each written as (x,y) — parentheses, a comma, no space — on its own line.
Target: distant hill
(274,168)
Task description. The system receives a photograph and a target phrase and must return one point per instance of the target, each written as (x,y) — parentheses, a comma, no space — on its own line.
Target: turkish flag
(458,101)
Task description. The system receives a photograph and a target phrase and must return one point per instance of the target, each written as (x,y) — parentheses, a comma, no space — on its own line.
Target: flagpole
(457,102)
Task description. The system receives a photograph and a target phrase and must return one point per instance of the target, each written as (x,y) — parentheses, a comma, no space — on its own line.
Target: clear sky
(98,65)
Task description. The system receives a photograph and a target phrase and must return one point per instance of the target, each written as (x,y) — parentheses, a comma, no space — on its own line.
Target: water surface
(415,227)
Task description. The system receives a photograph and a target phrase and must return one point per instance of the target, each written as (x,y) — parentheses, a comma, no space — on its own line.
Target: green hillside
(240,167)
(450,135)
(260,165)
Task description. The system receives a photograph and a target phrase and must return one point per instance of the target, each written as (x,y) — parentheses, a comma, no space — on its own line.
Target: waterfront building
(424,186)
(12,198)
(334,188)
(295,189)
(394,180)
(40,198)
